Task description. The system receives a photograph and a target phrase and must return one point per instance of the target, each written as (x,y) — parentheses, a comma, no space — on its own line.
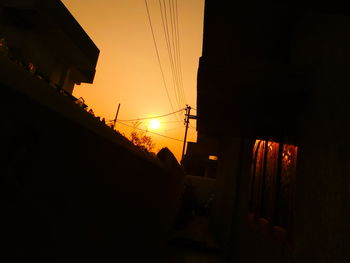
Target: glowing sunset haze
(128,70)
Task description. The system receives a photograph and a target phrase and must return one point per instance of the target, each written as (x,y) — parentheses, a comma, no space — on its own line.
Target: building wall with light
(278,73)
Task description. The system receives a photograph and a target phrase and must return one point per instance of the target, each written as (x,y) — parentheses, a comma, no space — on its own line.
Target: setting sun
(126,64)
(154,124)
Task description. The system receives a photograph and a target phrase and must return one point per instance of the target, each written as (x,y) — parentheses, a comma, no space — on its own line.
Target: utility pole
(116,116)
(188,116)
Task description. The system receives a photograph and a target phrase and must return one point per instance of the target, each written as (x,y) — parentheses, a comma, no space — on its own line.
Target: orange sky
(128,71)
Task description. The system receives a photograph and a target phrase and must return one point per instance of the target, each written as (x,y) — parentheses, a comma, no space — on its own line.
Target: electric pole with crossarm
(188,116)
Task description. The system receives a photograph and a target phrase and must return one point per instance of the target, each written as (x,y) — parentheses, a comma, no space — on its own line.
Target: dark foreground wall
(302,54)
(320,223)
(319,230)
(72,189)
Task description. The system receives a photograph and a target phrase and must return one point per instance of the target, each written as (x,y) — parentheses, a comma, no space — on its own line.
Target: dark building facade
(72,188)
(273,91)
(44,37)
(200,159)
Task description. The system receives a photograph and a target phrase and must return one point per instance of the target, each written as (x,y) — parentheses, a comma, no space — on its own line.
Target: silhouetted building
(200,159)
(45,38)
(273,90)
(72,188)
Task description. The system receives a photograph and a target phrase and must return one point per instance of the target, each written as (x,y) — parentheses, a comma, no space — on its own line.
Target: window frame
(271,225)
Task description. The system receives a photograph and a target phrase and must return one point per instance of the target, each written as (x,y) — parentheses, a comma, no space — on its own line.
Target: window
(272,183)
(213,157)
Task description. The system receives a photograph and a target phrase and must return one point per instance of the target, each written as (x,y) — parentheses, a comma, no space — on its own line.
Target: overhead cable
(171,138)
(164,16)
(154,117)
(157,52)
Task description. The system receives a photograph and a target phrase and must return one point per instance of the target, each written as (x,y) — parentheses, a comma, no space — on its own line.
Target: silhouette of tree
(141,140)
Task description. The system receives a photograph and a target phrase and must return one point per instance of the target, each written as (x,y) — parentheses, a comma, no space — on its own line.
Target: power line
(172,122)
(176,43)
(160,64)
(169,47)
(177,49)
(170,21)
(173,129)
(173,37)
(154,117)
(171,32)
(150,132)
(192,127)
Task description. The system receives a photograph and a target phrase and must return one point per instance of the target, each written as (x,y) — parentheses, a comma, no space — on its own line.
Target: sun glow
(154,124)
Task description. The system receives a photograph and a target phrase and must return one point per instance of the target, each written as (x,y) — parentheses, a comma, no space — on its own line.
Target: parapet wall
(74,190)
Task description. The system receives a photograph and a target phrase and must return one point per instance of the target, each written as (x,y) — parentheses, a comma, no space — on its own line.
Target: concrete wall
(229,165)
(72,189)
(205,192)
